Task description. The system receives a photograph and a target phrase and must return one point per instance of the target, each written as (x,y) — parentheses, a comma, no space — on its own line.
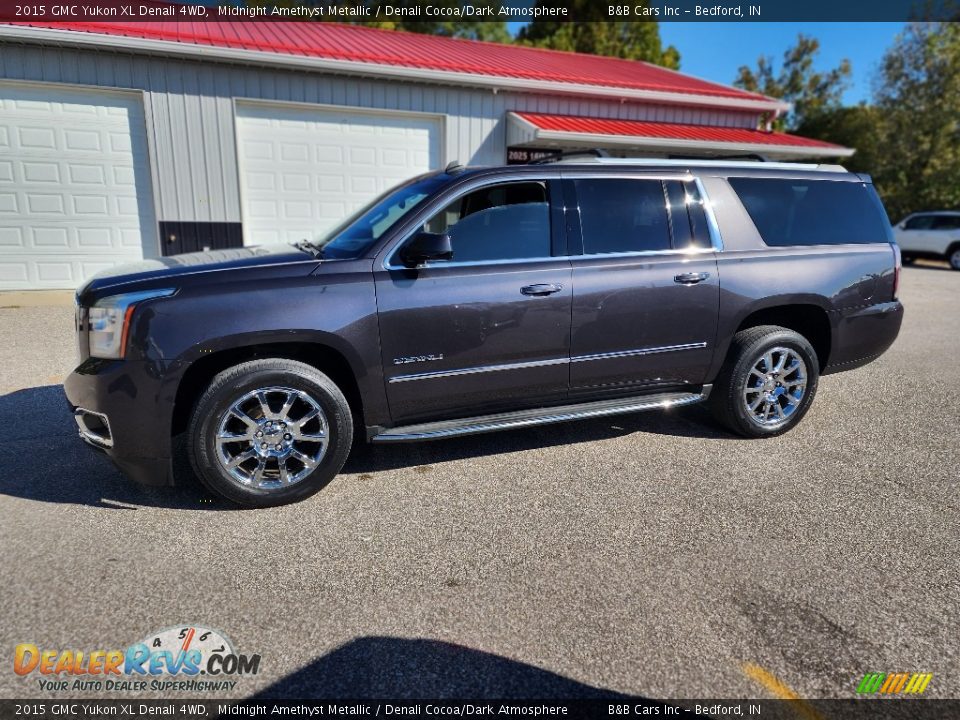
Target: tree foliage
(634,40)
(917,94)
(811,91)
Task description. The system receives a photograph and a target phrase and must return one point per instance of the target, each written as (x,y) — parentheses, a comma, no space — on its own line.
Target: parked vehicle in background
(931,235)
(481,299)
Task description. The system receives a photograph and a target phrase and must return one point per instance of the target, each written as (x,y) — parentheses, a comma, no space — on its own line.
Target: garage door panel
(75,192)
(303,170)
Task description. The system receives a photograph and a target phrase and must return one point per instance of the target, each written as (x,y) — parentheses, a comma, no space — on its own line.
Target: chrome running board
(538,416)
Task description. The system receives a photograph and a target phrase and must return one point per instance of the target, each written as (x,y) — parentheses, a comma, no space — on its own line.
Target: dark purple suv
(483,299)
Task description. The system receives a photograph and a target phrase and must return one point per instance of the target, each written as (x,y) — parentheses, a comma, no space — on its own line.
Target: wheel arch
(325,357)
(810,319)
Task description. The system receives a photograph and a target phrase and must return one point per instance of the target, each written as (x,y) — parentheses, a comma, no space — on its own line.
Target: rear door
(489,329)
(645,285)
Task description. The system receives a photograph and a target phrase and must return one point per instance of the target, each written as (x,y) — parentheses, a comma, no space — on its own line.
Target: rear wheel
(954,258)
(269,432)
(767,382)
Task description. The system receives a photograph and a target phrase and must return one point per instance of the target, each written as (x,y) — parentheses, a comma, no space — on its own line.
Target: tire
(953,257)
(732,398)
(293,457)
(907,259)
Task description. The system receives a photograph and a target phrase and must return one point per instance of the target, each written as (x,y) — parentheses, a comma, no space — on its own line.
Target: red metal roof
(669,131)
(360,44)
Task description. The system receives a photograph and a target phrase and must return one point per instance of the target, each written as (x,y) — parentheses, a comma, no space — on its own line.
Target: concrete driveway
(651,554)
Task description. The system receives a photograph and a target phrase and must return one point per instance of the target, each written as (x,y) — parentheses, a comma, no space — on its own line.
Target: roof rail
(595,153)
(706,162)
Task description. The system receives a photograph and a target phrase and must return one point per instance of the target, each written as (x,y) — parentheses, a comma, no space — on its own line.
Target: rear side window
(946,222)
(812,212)
(622,215)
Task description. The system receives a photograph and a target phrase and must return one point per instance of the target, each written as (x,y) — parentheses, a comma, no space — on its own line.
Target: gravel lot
(650,554)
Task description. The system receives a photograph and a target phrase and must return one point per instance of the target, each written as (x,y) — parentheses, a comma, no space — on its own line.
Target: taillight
(897,268)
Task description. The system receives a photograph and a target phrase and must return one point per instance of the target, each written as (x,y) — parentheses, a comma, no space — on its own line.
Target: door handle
(690,278)
(540,290)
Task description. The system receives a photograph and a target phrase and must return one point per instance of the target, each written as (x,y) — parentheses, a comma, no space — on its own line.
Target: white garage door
(303,170)
(74,185)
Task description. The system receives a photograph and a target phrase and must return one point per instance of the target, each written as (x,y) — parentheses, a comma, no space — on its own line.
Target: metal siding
(193,134)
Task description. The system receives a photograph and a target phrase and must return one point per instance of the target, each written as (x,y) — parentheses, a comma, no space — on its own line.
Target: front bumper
(120,410)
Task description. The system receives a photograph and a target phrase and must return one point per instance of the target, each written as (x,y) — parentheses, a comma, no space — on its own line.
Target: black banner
(480,10)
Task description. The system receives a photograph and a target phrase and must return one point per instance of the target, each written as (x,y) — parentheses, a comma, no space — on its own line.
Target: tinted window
(500,222)
(946,222)
(688,220)
(622,215)
(919,222)
(813,212)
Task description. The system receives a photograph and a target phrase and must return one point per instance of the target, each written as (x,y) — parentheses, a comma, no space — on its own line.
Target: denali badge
(417,358)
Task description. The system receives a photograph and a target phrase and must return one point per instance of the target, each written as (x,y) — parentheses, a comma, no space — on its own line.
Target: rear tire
(269,432)
(767,382)
(953,257)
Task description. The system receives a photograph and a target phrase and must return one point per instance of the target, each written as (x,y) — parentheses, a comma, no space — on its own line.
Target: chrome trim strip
(642,253)
(87,434)
(476,370)
(479,263)
(638,351)
(543,363)
(526,418)
(716,239)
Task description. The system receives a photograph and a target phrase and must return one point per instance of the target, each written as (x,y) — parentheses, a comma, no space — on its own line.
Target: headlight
(109,322)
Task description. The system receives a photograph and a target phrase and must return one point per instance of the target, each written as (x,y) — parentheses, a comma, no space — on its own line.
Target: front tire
(269,432)
(767,383)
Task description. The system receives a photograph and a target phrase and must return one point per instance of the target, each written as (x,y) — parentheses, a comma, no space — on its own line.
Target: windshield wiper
(307,246)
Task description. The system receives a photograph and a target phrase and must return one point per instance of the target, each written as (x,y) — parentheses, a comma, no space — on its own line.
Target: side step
(538,416)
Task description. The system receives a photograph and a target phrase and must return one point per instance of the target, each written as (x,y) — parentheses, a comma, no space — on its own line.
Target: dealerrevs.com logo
(186,658)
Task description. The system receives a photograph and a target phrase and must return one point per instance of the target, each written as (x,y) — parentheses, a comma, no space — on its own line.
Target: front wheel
(269,432)
(767,382)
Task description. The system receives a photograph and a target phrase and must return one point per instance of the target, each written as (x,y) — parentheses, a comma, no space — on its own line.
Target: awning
(572,132)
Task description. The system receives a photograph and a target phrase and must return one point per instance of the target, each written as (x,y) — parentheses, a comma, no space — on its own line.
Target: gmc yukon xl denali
(481,299)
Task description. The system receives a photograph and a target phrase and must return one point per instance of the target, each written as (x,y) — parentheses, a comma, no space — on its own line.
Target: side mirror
(424,247)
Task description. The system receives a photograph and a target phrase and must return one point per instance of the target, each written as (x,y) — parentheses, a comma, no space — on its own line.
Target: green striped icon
(894,683)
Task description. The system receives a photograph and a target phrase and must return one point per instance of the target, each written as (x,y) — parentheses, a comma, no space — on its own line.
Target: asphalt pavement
(651,554)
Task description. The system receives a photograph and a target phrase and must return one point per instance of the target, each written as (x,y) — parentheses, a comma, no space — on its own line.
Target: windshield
(357,233)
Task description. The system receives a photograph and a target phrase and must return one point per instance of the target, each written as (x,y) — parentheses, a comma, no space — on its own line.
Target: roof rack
(706,162)
(594,153)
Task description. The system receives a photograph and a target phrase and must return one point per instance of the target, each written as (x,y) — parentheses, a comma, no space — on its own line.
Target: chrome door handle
(690,278)
(540,290)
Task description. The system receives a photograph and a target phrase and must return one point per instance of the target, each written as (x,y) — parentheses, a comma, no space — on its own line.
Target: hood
(272,259)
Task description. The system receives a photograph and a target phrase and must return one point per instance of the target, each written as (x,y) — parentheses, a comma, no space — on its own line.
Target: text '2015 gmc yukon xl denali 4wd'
(485,299)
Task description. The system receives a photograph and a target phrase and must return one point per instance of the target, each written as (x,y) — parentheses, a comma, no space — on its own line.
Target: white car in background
(934,235)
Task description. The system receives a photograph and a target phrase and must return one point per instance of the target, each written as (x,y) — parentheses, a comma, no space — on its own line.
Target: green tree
(859,126)
(797,82)
(917,93)
(634,40)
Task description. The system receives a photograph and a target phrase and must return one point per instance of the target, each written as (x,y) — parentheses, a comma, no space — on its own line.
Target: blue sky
(714,51)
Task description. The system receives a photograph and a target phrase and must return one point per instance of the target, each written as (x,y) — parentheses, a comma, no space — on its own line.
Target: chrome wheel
(775,387)
(272,438)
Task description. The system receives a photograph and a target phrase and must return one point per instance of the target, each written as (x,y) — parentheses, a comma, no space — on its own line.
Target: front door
(489,329)
(646,292)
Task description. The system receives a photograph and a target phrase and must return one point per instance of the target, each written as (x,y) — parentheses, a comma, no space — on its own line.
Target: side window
(688,219)
(499,222)
(946,222)
(789,212)
(920,222)
(622,215)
